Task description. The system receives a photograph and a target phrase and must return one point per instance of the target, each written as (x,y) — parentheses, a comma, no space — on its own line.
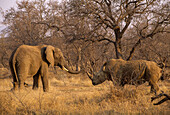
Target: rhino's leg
(154,86)
(114,79)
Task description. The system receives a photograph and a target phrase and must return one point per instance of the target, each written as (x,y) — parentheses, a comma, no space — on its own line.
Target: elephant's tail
(13,61)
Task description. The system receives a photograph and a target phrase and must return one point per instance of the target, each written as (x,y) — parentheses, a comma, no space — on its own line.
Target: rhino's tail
(162,66)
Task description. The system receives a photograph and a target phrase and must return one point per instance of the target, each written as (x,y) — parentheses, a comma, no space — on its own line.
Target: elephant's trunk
(66,68)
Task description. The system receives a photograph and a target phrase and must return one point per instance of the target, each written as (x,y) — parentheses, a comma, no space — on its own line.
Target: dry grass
(76,95)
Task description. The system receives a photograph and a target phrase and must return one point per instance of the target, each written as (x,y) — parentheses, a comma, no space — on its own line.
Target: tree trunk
(118,48)
(133,50)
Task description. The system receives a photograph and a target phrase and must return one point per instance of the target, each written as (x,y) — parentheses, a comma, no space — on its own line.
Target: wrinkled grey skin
(33,61)
(134,72)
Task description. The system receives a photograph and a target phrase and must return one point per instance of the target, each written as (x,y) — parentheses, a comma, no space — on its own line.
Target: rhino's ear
(50,55)
(104,68)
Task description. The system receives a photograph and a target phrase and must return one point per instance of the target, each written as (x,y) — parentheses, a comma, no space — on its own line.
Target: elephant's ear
(50,55)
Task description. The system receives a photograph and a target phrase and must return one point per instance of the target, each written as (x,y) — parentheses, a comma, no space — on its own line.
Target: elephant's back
(27,53)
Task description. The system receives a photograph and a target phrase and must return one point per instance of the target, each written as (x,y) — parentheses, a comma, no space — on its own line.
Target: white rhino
(134,72)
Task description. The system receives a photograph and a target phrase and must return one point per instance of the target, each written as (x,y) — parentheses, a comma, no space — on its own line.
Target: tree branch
(50,26)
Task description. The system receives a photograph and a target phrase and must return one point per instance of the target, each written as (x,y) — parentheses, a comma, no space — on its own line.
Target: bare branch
(45,23)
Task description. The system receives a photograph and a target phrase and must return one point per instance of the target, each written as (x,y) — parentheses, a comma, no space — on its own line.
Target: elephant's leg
(15,85)
(22,75)
(36,81)
(45,83)
(15,81)
(21,81)
(44,78)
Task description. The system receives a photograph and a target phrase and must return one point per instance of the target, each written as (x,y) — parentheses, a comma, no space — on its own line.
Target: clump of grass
(76,95)
(124,93)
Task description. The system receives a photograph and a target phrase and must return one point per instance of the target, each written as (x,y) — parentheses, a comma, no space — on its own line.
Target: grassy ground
(74,94)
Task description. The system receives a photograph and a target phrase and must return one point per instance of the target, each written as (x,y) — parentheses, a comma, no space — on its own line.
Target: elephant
(135,72)
(33,61)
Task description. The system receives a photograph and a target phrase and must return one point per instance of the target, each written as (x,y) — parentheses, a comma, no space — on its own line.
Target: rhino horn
(89,75)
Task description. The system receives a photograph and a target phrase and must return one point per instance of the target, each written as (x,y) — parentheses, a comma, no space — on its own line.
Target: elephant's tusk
(65,69)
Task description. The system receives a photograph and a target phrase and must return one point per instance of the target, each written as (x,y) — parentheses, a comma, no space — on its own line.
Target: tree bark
(118,48)
(133,50)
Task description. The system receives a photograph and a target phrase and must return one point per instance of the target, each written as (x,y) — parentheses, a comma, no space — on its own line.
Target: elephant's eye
(57,56)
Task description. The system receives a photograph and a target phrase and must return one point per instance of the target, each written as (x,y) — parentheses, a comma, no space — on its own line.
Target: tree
(92,31)
(114,17)
(22,21)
